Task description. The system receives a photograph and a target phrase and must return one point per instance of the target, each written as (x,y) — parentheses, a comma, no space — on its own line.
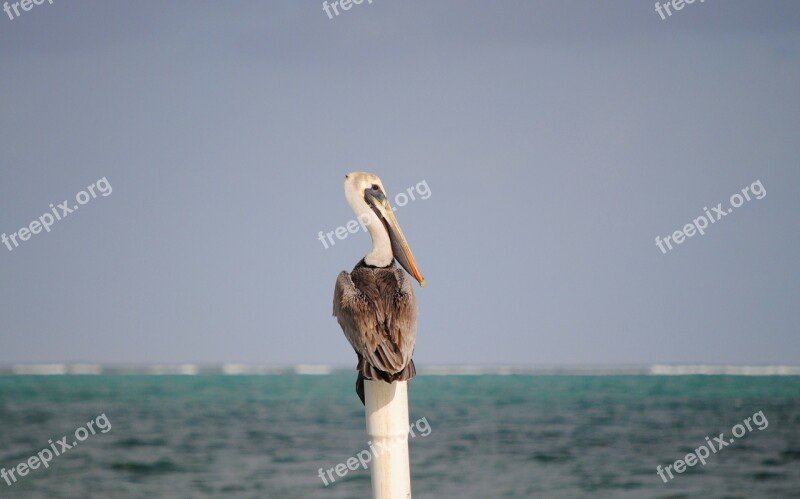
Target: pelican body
(375,304)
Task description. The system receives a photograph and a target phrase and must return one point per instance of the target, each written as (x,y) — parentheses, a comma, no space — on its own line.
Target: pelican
(374,304)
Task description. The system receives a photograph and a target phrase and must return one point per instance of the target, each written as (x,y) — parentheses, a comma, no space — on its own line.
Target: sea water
(488,436)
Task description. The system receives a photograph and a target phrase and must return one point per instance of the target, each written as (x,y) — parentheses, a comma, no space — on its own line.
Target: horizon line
(431,370)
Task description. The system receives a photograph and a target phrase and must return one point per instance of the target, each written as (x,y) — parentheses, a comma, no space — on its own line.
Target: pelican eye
(376,187)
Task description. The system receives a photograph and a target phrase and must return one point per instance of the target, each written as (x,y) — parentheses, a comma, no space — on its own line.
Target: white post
(387,424)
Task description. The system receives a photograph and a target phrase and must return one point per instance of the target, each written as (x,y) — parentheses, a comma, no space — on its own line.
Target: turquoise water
(490,436)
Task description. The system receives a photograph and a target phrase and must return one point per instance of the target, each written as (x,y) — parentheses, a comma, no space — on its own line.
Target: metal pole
(387,425)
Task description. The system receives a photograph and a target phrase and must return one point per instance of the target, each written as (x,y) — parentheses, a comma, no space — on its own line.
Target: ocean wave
(683,370)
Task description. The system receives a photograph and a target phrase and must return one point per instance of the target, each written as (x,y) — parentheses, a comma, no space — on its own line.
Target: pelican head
(368,198)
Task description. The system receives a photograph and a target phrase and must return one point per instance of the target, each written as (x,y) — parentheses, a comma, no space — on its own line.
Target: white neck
(381,254)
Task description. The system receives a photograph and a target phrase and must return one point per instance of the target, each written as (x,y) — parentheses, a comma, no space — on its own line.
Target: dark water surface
(490,436)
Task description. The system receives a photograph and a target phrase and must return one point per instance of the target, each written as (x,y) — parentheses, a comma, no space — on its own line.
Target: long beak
(400,249)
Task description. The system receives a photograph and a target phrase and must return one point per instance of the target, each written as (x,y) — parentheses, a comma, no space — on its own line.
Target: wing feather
(377,311)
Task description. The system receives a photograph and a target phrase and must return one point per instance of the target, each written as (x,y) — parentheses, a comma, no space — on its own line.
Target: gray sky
(558,139)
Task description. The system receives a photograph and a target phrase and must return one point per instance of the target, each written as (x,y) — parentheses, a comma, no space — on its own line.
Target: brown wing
(377,311)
